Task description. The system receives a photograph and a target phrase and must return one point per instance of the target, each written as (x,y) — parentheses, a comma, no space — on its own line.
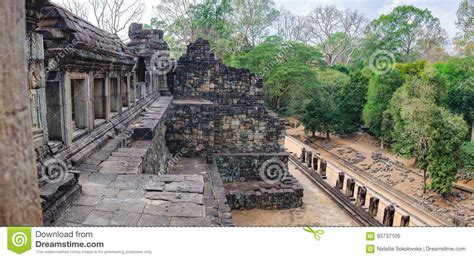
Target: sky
(445,10)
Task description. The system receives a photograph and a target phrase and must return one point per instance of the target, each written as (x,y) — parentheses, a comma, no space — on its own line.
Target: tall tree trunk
(472,131)
(19,191)
(424,181)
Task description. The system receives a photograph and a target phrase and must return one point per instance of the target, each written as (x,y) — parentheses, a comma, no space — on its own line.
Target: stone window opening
(78,107)
(114,97)
(141,70)
(99,101)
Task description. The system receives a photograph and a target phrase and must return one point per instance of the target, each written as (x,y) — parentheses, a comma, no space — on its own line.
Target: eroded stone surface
(185,198)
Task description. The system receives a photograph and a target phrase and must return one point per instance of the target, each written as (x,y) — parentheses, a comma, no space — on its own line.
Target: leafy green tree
(467,150)
(210,20)
(380,90)
(428,132)
(407,32)
(448,132)
(455,81)
(252,20)
(464,41)
(322,106)
(287,68)
(351,100)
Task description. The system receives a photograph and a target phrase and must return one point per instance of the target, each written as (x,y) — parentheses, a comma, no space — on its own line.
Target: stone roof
(83,41)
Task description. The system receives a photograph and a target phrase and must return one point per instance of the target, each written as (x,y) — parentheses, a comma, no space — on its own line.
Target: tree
(426,131)
(292,27)
(323,103)
(113,16)
(337,33)
(407,31)
(351,102)
(175,17)
(464,41)
(116,15)
(19,189)
(210,20)
(380,90)
(447,135)
(252,19)
(286,68)
(455,83)
(77,7)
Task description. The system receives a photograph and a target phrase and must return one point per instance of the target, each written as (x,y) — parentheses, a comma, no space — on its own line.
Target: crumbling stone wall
(242,124)
(219,112)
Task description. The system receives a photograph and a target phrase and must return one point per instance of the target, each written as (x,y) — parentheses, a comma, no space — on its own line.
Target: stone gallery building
(116,123)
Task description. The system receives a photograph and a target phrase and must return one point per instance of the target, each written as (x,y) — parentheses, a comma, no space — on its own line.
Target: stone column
(106,97)
(303,155)
(90,101)
(65,88)
(19,192)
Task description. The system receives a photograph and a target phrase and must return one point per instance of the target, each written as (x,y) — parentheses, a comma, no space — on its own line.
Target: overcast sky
(445,10)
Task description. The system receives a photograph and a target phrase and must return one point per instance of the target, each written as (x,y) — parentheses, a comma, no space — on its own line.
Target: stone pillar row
(319,165)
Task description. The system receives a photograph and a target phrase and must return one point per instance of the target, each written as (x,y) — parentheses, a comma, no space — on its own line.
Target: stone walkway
(115,192)
(181,199)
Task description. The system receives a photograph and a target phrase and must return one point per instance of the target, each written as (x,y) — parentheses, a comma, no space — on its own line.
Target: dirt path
(318,210)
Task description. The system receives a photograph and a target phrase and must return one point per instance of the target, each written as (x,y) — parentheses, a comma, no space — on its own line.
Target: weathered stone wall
(242,124)
(245,167)
(191,128)
(149,133)
(220,112)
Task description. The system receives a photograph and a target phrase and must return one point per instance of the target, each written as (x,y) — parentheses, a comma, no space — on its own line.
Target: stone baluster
(315,163)
(405,221)
(361,195)
(350,188)
(340,181)
(322,169)
(303,155)
(373,206)
(388,215)
(309,159)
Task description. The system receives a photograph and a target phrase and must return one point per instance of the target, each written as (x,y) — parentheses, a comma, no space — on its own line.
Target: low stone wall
(260,195)
(57,194)
(149,133)
(245,167)
(259,180)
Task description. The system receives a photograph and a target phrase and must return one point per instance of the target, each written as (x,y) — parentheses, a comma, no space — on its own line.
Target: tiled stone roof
(80,41)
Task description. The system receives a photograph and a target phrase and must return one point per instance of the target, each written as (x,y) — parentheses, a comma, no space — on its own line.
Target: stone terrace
(116,193)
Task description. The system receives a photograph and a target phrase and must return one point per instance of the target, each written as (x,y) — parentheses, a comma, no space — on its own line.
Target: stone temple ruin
(126,136)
